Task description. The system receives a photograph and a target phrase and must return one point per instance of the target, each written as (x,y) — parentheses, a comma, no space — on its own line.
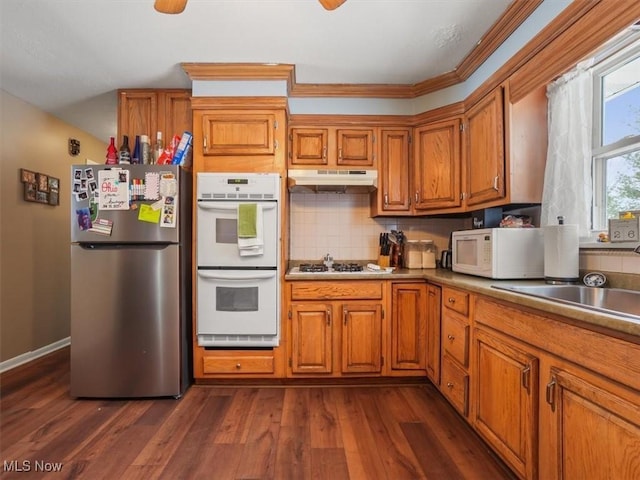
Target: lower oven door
(237,308)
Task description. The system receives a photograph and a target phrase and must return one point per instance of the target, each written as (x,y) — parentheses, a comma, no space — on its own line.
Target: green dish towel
(247,214)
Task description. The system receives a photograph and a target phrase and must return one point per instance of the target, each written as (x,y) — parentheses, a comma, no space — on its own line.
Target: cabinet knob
(449,385)
(238,366)
(451,337)
(451,300)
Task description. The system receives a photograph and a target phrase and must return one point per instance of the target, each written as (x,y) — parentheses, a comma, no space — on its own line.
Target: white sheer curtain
(567,178)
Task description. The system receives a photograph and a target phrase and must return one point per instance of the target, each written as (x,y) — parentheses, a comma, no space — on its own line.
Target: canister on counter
(428,254)
(413,254)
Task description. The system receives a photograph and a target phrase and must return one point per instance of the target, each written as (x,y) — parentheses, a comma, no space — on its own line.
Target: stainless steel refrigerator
(130,281)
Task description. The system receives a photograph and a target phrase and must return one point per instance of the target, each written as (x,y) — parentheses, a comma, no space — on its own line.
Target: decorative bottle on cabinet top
(112,153)
(124,154)
(136,155)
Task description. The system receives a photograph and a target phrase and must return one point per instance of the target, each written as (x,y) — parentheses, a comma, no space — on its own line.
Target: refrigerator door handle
(208,205)
(250,276)
(122,246)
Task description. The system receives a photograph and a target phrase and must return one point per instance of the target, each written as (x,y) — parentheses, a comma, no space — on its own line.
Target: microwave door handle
(250,276)
(230,207)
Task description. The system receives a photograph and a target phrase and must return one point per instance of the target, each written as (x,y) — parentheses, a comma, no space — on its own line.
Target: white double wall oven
(237,287)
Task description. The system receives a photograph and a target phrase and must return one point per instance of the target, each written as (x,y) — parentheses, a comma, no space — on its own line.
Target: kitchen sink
(615,301)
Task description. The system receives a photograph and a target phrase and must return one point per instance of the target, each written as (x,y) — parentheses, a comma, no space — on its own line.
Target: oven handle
(250,276)
(234,206)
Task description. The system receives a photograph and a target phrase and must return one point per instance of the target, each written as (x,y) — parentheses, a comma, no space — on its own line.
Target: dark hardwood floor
(223,432)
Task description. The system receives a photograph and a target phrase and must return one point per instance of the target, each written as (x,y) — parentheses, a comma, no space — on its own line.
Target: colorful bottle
(112,152)
(136,155)
(124,154)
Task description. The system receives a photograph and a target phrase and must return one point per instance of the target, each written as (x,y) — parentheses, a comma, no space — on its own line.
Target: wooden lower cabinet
(590,428)
(311,338)
(505,396)
(408,326)
(434,297)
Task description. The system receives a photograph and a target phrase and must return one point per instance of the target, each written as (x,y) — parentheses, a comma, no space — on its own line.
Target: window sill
(608,245)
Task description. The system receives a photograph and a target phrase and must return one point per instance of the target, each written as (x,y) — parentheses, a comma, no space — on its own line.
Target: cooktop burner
(313,267)
(347,267)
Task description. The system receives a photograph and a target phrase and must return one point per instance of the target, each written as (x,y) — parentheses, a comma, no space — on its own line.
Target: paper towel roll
(561,253)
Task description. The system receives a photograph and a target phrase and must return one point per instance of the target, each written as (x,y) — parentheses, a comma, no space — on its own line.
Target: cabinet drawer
(455,338)
(238,364)
(455,385)
(337,290)
(455,300)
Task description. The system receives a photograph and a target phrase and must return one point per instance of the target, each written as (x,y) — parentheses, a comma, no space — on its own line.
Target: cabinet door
(408,326)
(394,171)
(505,401)
(176,116)
(597,431)
(137,114)
(436,166)
(311,338)
(238,133)
(308,146)
(434,295)
(485,159)
(361,338)
(355,147)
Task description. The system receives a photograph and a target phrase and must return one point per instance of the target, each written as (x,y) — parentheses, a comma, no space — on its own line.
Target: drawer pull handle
(526,378)
(551,393)
(452,300)
(451,337)
(328,317)
(238,366)
(449,385)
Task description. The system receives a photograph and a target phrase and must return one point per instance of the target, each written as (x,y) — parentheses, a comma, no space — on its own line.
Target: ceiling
(68,57)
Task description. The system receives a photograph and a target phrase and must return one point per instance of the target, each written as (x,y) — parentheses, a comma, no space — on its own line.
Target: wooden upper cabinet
(356,147)
(485,152)
(239,133)
(393,179)
(332,147)
(147,111)
(309,146)
(436,166)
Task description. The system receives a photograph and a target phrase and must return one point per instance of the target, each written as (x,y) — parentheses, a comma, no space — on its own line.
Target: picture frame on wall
(54,198)
(42,197)
(30,192)
(27,176)
(54,184)
(43,182)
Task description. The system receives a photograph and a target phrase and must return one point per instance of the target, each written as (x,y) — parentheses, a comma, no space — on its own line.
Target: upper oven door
(217,236)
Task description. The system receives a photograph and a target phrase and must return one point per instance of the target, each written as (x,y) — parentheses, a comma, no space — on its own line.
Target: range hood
(332,181)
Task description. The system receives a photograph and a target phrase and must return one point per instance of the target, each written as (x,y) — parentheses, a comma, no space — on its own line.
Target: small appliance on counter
(500,253)
(561,253)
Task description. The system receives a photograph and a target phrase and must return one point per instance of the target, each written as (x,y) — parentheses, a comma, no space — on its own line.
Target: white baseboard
(30,356)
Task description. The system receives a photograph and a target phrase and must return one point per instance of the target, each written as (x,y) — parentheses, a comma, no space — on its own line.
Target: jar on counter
(413,254)
(428,254)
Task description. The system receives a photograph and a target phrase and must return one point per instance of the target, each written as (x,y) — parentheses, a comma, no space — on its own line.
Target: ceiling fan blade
(330,4)
(170,6)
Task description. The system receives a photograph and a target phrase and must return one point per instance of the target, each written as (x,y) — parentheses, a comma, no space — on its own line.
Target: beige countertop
(582,316)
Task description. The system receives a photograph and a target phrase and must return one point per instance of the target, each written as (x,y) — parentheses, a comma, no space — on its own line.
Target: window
(616,130)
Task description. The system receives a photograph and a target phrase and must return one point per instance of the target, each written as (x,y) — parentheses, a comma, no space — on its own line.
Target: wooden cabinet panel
(393,191)
(239,133)
(434,293)
(595,432)
(239,365)
(355,147)
(340,290)
(505,404)
(137,114)
(177,117)
(408,326)
(456,300)
(309,146)
(455,338)
(455,385)
(311,338)
(436,166)
(362,338)
(485,150)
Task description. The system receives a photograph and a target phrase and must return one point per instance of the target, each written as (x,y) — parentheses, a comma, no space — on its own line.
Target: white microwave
(500,253)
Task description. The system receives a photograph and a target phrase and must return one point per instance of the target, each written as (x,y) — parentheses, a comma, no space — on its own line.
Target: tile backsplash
(340,224)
